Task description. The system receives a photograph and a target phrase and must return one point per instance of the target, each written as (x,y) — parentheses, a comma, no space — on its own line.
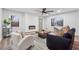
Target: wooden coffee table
(42,35)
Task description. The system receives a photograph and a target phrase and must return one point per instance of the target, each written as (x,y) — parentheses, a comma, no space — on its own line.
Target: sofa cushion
(61,31)
(65,29)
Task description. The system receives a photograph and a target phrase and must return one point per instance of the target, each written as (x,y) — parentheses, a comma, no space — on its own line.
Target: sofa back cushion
(65,29)
(61,31)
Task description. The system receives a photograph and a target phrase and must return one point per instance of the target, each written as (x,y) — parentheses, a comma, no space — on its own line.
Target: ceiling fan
(44,11)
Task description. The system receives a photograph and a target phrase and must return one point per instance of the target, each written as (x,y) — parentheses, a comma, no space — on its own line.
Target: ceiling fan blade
(49,11)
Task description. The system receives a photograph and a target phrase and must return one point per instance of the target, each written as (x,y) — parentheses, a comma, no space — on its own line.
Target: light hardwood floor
(76,43)
(39,44)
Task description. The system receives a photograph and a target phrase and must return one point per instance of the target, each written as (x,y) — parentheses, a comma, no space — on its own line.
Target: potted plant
(7,21)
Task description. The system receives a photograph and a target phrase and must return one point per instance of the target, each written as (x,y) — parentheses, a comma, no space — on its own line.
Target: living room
(34,25)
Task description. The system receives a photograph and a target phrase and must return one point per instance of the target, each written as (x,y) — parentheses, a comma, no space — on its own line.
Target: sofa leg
(30,47)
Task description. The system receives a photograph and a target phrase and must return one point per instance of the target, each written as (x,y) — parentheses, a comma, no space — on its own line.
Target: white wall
(8,13)
(25,19)
(0,24)
(71,19)
(31,19)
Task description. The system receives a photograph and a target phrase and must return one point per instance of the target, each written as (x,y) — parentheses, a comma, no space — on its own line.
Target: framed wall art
(57,21)
(14,21)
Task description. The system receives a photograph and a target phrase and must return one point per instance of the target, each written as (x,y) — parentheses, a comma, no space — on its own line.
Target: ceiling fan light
(58,10)
(47,14)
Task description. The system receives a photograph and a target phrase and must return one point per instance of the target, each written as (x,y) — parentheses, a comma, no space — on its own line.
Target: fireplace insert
(31,27)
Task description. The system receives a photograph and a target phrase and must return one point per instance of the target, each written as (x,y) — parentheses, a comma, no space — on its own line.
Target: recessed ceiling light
(58,10)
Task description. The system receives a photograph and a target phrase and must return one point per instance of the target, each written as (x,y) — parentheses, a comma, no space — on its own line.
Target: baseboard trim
(77,35)
(0,39)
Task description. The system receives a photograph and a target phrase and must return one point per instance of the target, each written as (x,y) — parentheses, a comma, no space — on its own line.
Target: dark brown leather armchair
(64,42)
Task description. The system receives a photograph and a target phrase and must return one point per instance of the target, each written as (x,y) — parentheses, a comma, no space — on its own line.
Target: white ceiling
(37,11)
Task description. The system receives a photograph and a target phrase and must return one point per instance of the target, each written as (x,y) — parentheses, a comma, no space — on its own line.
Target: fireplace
(32,27)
